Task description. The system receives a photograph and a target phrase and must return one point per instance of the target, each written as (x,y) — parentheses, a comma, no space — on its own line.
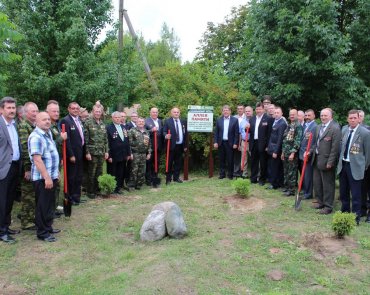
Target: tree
(58,48)
(8,35)
(296,52)
(167,49)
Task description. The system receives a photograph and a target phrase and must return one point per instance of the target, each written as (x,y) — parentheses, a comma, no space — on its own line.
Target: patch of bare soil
(283,237)
(275,275)
(244,205)
(10,289)
(328,246)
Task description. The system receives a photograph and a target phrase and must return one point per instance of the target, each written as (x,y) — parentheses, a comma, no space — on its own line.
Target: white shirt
(13,138)
(258,121)
(179,130)
(346,157)
(155,121)
(225,135)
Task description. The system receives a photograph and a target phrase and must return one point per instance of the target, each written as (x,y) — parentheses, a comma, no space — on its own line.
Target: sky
(188,18)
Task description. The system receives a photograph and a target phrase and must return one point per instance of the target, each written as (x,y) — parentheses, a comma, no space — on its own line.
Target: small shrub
(343,223)
(242,187)
(107,184)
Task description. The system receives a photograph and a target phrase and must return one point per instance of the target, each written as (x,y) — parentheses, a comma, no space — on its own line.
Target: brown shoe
(317,206)
(325,211)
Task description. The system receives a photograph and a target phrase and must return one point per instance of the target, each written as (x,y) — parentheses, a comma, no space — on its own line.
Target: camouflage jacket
(25,128)
(292,138)
(56,137)
(139,141)
(95,135)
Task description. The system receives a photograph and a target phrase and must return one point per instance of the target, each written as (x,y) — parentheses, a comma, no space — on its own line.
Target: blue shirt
(42,143)
(14,139)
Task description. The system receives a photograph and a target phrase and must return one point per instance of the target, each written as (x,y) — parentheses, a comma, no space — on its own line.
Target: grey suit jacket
(359,151)
(6,150)
(328,148)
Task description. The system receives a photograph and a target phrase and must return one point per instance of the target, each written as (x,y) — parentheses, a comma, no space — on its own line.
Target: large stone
(175,223)
(164,206)
(154,227)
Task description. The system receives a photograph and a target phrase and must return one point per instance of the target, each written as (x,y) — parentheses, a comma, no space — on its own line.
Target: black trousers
(226,154)
(348,187)
(75,172)
(150,173)
(276,172)
(8,193)
(365,192)
(258,164)
(45,207)
(115,169)
(175,162)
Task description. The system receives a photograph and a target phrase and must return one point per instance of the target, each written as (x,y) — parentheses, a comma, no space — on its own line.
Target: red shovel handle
(168,151)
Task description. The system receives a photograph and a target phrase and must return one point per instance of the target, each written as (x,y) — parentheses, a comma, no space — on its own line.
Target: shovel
(67,205)
(298,198)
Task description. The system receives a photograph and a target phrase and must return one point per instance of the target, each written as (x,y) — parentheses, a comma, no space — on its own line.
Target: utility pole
(120,53)
(138,47)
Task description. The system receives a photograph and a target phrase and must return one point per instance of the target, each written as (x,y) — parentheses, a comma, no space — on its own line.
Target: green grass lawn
(229,250)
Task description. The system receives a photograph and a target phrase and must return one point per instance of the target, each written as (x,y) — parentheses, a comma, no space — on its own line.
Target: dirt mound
(326,245)
(243,205)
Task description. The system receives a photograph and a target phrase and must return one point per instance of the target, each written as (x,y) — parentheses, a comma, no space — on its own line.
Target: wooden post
(186,158)
(210,161)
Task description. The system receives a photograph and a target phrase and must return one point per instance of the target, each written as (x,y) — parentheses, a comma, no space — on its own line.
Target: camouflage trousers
(94,170)
(137,176)
(290,173)
(28,204)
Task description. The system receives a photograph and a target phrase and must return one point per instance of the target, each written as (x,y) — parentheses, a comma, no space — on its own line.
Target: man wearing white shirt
(237,153)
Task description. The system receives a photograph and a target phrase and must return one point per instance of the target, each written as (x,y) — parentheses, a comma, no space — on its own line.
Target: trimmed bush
(107,184)
(343,223)
(242,187)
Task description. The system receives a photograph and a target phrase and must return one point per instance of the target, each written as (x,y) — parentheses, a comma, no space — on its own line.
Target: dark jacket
(170,125)
(264,131)
(118,149)
(149,124)
(232,134)
(74,141)
(276,137)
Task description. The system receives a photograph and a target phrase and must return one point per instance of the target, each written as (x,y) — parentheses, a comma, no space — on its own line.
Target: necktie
(321,130)
(319,137)
(346,156)
(80,130)
(177,130)
(119,130)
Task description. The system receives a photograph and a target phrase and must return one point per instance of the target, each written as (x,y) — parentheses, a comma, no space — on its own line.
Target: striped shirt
(42,143)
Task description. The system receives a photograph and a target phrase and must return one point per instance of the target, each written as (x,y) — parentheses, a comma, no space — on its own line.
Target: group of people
(31,148)
(31,155)
(277,149)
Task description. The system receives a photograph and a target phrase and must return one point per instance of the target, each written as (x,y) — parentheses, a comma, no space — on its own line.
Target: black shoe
(32,227)
(357,220)
(221,177)
(284,190)
(254,181)
(367,220)
(7,239)
(168,182)
(155,185)
(148,183)
(261,183)
(230,177)
(289,193)
(178,180)
(49,239)
(138,188)
(83,201)
(307,197)
(270,187)
(13,231)
(55,231)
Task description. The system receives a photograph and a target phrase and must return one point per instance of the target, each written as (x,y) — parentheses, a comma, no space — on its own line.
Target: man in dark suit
(260,130)
(177,137)
(134,116)
(118,150)
(10,151)
(154,125)
(325,153)
(274,150)
(226,140)
(75,145)
(354,159)
(310,128)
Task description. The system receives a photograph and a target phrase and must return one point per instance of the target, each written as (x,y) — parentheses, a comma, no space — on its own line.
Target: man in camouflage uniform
(96,143)
(290,149)
(52,109)
(140,146)
(28,200)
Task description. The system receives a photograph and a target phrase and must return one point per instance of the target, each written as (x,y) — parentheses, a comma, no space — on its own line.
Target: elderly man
(244,126)
(119,150)
(10,151)
(75,144)
(28,202)
(325,154)
(354,160)
(177,138)
(45,175)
